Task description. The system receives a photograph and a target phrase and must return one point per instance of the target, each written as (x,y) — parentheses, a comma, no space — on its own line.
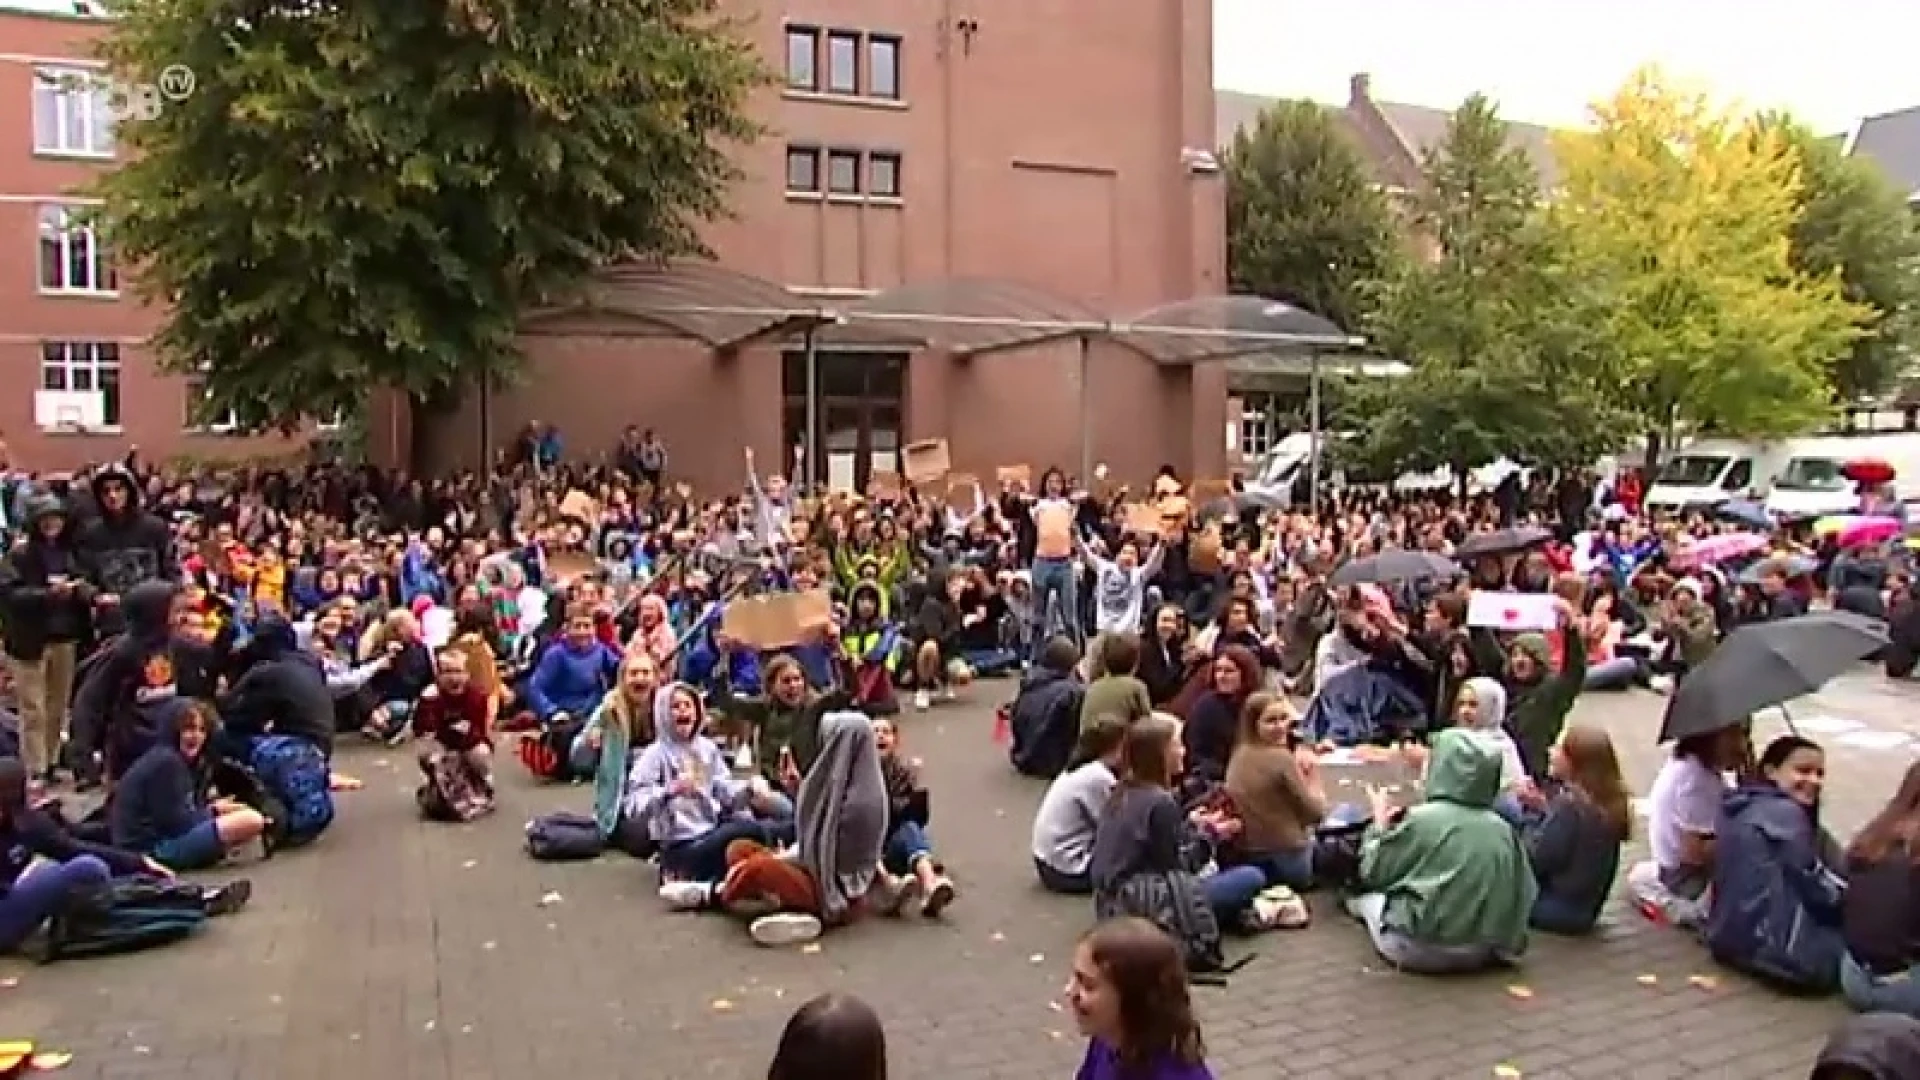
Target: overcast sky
(1545,60)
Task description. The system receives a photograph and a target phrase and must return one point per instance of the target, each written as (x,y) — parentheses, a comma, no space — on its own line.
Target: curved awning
(701,300)
(973,316)
(1222,327)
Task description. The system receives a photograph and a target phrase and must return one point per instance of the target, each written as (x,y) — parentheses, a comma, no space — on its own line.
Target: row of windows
(812,171)
(856,64)
(93,367)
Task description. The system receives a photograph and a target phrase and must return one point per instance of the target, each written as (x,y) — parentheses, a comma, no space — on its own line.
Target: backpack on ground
(125,915)
(564,837)
(296,773)
(240,783)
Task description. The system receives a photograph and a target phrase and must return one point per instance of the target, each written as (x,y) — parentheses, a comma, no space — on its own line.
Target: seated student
(684,790)
(1880,914)
(43,866)
(157,808)
(1480,710)
(781,727)
(573,674)
(1145,846)
(1575,847)
(610,745)
(1069,814)
(1129,997)
(1163,665)
(128,690)
(396,687)
(833,876)
(1444,886)
(871,644)
(1683,812)
(1775,907)
(832,1037)
(1277,791)
(908,852)
(453,722)
(1116,690)
(937,661)
(1046,711)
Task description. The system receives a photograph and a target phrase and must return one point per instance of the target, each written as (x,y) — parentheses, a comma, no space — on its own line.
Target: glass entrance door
(861,409)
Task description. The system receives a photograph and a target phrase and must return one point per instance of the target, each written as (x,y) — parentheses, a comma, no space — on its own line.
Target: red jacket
(437,715)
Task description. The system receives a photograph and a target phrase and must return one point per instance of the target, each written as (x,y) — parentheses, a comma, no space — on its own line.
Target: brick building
(980,164)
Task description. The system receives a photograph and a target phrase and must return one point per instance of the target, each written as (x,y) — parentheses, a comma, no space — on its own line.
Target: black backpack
(125,915)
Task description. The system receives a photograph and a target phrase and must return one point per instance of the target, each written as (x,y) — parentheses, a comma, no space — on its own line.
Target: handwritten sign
(1515,611)
(1014,476)
(927,460)
(777,620)
(884,485)
(1143,518)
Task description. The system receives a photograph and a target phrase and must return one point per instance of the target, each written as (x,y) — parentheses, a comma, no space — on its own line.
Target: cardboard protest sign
(777,620)
(927,460)
(1516,611)
(1143,518)
(564,565)
(1020,476)
(579,504)
(962,485)
(884,485)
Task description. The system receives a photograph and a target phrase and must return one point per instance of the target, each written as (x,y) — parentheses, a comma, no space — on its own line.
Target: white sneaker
(786,928)
(1661,684)
(686,895)
(922,701)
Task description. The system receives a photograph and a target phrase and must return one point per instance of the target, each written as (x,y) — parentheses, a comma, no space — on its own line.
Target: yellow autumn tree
(1677,220)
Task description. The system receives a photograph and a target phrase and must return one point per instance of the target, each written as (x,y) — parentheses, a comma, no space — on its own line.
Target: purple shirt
(1103,1063)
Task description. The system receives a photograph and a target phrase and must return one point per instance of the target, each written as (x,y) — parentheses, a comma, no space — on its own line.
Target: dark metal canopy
(695,299)
(1223,327)
(975,316)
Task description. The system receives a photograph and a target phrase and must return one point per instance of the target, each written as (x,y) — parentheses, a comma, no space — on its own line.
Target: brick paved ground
(398,949)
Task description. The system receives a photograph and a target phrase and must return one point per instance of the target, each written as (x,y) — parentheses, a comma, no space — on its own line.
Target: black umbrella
(1238,503)
(1766,664)
(1390,567)
(1501,542)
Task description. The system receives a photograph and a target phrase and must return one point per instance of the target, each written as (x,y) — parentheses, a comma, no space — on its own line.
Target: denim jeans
(906,844)
(1230,892)
(1406,953)
(1618,673)
(704,858)
(1867,992)
(1059,881)
(1555,915)
(41,892)
(1294,869)
(1054,580)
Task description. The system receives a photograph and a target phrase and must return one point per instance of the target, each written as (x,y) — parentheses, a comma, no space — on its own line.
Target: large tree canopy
(362,195)
(1305,223)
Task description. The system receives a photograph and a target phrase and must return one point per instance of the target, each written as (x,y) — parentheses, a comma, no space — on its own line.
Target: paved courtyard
(398,949)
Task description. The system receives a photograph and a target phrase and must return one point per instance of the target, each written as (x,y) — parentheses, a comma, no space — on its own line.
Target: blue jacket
(571,681)
(1776,905)
(158,798)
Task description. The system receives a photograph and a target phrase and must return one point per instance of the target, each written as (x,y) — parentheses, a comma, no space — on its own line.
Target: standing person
(47,605)
(1128,995)
(124,545)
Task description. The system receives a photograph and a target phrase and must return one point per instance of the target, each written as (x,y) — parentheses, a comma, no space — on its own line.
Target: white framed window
(73,259)
(200,414)
(84,367)
(1257,429)
(72,112)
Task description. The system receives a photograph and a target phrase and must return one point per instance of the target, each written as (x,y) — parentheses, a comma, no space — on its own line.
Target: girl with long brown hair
(1575,849)
(1880,914)
(1128,994)
(1277,791)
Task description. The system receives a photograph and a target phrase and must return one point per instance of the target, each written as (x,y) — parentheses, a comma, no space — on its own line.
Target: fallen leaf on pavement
(810,947)
(1703,982)
(722,1005)
(470,864)
(1055,1035)
(1507,1072)
(551,898)
(1648,980)
(1037,958)
(1520,993)
(489,945)
(50,1061)
(343,782)
(996,936)
(1054,1005)
(9,982)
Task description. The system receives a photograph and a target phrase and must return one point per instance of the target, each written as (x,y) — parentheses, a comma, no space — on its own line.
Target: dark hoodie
(26,833)
(35,613)
(127,693)
(1877,1046)
(126,548)
(283,690)
(158,798)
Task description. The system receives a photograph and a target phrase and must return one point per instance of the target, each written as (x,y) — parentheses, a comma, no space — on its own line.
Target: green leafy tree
(1493,344)
(1855,221)
(1681,219)
(370,195)
(1305,223)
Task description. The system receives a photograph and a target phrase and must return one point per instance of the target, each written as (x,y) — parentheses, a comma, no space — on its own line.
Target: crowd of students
(215,633)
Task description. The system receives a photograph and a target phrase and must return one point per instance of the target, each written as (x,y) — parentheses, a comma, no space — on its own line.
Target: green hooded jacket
(1453,871)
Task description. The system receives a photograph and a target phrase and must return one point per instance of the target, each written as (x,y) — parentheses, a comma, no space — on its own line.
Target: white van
(1707,472)
(1811,484)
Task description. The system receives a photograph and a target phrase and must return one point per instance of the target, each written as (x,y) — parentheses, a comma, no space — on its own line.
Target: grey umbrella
(1501,542)
(1390,567)
(1766,664)
(1240,502)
